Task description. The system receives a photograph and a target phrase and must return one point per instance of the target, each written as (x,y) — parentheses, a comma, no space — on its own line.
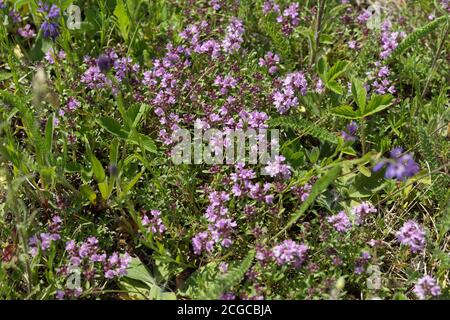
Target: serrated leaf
(378,103)
(336,70)
(113,126)
(335,87)
(346,111)
(359,94)
(123,22)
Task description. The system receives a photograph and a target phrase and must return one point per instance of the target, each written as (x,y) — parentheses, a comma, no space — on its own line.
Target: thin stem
(319,17)
(436,56)
(363,136)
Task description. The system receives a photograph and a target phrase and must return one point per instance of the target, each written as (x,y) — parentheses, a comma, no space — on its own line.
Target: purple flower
(303,191)
(412,234)
(361,262)
(289,252)
(362,211)
(60,294)
(54,12)
(277,167)
(364,17)
(72,104)
(399,166)
(227,296)
(233,38)
(50,29)
(215,4)
(352,44)
(27,31)
(340,222)
(223,267)
(270,6)
(289,19)
(15,16)
(349,135)
(426,287)
(270,61)
(285,98)
(155,224)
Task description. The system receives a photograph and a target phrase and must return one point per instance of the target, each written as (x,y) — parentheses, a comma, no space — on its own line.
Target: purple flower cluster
(412,234)
(285,98)
(302,192)
(270,61)
(389,39)
(290,253)
(93,77)
(45,239)
(234,36)
(220,226)
(154,224)
(399,166)
(27,31)
(15,16)
(340,222)
(116,266)
(241,185)
(361,262)
(88,253)
(350,133)
(362,211)
(270,6)
(88,258)
(225,83)
(363,17)
(289,19)
(277,168)
(51,55)
(380,81)
(72,104)
(50,27)
(426,287)
(445,4)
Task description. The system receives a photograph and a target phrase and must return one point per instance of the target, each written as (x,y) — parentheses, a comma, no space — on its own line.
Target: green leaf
(97,168)
(346,111)
(49,136)
(359,94)
(144,141)
(320,186)
(130,184)
(305,127)
(87,191)
(140,284)
(123,22)
(112,126)
(114,152)
(335,87)
(378,103)
(208,283)
(104,189)
(322,66)
(336,70)
(414,37)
